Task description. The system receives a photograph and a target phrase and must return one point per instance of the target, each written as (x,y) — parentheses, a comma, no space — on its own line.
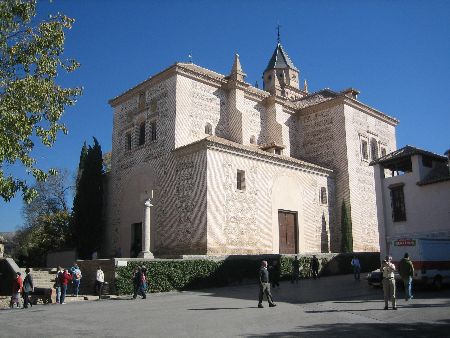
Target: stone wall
(89,272)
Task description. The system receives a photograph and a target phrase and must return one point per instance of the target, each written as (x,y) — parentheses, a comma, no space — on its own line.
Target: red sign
(405,242)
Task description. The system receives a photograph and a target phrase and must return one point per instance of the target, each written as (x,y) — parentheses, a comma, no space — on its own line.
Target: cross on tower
(278,35)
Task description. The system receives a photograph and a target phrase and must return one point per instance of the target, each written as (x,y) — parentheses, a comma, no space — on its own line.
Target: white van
(430,257)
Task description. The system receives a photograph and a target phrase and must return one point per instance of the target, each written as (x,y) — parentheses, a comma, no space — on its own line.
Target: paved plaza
(329,307)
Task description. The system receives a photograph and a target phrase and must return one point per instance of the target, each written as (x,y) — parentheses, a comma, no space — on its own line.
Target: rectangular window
(153,127)
(398,204)
(383,151)
(323,195)
(427,162)
(364,151)
(278,151)
(142,134)
(128,141)
(240,180)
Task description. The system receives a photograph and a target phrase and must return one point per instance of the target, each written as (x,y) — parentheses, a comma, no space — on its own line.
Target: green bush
(187,274)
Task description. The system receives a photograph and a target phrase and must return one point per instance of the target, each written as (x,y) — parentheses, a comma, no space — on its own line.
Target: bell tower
(281,74)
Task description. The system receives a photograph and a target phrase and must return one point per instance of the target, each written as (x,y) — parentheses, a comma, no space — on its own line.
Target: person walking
(356,267)
(28,287)
(76,279)
(388,268)
(406,270)
(136,281)
(295,270)
(264,286)
(315,267)
(65,278)
(16,290)
(274,274)
(57,284)
(140,283)
(99,281)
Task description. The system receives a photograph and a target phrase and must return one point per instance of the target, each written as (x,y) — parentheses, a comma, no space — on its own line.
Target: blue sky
(395,52)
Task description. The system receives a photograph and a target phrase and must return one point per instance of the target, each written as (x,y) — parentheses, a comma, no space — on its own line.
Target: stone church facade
(235,169)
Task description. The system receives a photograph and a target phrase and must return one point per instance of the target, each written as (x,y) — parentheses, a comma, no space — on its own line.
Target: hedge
(168,275)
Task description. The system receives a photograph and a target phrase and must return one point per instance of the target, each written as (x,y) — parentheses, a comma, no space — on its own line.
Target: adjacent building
(234,169)
(413,195)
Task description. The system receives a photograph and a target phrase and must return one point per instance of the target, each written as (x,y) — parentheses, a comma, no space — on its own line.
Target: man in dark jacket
(264,285)
(28,287)
(406,271)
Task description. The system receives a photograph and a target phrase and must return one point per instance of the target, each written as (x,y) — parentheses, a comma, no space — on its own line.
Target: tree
(31,100)
(346,229)
(47,221)
(51,197)
(87,215)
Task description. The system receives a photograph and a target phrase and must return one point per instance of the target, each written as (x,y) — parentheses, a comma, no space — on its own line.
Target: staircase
(42,278)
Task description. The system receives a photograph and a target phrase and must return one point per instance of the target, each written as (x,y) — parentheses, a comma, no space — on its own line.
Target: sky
(396,53)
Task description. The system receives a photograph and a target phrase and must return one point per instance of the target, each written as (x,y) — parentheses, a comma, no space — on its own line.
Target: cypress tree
(87,220)
(346,229)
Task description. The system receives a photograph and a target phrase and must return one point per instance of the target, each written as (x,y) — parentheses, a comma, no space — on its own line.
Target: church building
(207,164)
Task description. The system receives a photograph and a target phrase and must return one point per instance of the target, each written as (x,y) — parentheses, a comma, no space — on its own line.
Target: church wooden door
(287,223)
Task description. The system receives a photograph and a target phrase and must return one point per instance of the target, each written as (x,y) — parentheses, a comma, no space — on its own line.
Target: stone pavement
(334,306)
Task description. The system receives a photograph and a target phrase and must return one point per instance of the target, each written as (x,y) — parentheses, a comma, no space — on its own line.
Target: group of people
(62,280)
(22,287)
(270,276)
(406,271)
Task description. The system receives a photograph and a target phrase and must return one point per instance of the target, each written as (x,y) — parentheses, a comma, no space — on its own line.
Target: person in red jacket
(65,278)
(16,290)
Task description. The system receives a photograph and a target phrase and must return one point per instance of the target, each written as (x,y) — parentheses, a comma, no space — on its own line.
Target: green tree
(87,216)
(31,100)
(50,232)
(47,220)
(346,229)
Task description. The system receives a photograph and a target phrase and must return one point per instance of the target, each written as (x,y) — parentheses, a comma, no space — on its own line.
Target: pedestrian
(100,280)
(143,283)
(295,270)
(264,286)
(356,267)
(136,281)
(65,278)
(315,267)
(388,268)
(57,284)
(140,283)
(274,273)
(76,279)
(406,270)
(28,287)
(16,290)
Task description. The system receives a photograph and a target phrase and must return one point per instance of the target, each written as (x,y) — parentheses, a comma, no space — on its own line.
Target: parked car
(375,277)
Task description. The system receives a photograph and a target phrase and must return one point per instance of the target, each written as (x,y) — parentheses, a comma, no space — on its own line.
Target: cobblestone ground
(329,307)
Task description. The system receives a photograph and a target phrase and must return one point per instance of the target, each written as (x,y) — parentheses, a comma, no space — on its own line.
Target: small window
(278,151)
(240,180)
(398,204)
(323,195)
(364,152)
(128,141)
(374,149)
(252,139)
(383,151)
(141,100)
(153,127)
(142,133)
(208,129)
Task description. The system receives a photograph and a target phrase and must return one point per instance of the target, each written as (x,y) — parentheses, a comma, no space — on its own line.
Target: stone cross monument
(146,253)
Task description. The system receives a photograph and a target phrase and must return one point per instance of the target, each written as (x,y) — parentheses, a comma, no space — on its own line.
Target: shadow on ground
(367,330)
